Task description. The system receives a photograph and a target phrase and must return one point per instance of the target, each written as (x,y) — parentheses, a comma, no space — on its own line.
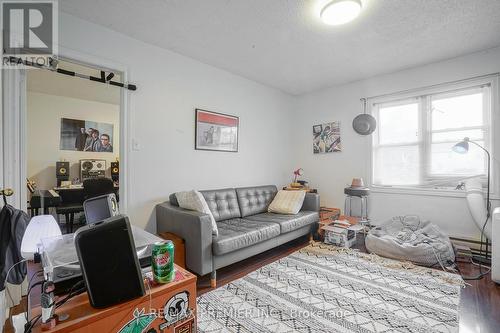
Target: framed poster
(86,135)
(326,138)
(216,131)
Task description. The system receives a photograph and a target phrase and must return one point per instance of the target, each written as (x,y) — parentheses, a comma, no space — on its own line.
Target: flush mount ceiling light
(339,12)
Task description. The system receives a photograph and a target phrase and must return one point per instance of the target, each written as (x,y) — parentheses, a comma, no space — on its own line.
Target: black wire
(29,290)
(481,273)
(481,242)
(471,278)
(31,324)
(71,294)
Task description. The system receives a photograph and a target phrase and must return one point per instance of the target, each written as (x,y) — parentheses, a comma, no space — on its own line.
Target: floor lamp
(462,148)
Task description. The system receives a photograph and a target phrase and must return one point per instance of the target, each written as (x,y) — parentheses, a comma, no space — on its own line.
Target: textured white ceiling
(283,44)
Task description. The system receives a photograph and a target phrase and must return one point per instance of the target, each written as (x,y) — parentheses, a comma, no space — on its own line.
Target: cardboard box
(331,214)
(339,236)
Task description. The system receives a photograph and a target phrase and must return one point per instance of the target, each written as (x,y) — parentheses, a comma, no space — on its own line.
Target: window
(415,134)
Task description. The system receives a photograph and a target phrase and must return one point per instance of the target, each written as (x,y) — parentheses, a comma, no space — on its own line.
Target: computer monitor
(100,208)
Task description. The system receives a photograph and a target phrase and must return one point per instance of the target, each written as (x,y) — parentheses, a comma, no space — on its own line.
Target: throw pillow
(287,202)
(194,200)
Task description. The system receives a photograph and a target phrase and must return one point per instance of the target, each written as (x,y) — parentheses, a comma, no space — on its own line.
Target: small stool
(357,192)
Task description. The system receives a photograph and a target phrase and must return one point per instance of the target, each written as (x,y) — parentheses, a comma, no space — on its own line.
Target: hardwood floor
(479,304)
(479,300)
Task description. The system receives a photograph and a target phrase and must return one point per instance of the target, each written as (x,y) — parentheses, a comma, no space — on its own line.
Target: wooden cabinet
(169,308)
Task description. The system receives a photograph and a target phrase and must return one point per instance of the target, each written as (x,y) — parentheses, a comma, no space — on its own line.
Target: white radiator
(495,246)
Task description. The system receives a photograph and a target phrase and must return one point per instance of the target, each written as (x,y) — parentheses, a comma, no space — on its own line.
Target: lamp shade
(41,226)
(462,147)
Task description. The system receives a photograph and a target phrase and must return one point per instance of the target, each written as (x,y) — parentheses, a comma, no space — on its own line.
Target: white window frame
(491,118)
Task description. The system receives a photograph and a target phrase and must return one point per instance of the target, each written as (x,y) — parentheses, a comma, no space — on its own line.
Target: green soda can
(162,257)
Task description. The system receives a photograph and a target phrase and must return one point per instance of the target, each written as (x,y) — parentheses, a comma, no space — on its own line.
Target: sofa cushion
(256,199)
(237,233)
(223,203)
(194,200)
(287,223)
(287,202)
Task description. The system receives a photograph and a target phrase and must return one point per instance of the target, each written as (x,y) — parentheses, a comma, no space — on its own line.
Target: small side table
(357,192)
(307,189)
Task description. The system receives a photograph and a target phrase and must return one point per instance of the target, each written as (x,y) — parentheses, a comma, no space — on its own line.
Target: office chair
(71,204)
(95,187)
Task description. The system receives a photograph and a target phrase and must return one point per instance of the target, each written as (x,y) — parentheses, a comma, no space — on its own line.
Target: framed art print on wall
(326,138)
(216,131)
(85,135)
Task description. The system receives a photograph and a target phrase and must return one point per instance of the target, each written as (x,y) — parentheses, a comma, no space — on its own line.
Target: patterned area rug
(322,288)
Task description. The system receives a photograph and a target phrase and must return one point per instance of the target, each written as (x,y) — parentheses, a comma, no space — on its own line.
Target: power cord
(481,273)
(30,287)
(7,277)
(72,293)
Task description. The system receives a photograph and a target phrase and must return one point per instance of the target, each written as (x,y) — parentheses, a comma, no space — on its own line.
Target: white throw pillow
(194,200)
(287,202)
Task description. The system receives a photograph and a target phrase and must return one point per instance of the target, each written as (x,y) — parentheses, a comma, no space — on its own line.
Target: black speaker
(115,171)
(62,172)
(109,263)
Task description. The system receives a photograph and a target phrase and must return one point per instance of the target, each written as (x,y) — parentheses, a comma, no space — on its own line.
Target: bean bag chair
(411,239)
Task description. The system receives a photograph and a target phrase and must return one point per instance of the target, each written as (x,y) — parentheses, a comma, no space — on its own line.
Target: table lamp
(41,226)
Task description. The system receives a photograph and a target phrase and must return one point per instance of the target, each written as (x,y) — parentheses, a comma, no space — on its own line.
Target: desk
(49,198)
(122,318)
(72,199)
(74,193)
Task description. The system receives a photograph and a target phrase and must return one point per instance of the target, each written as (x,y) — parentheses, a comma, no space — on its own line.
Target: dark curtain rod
(106,79)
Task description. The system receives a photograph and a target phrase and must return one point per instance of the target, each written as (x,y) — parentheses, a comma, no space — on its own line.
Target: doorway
(65,124)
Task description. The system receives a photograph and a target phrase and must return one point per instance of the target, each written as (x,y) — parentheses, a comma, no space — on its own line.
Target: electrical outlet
(136,145)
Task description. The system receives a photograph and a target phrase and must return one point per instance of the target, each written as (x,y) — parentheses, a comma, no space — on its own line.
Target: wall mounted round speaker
(364,124)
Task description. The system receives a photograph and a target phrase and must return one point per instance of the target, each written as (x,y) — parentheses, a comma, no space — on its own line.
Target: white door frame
(14,135)
(125,143)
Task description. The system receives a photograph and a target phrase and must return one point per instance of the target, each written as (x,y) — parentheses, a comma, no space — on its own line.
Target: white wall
(170,87)
(44,113)
(275,133)
(330,173)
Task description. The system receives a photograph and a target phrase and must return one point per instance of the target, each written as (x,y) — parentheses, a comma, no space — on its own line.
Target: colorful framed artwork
(326,138)
(216,131)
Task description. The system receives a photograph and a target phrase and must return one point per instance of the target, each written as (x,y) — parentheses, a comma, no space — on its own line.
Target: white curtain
(13,166)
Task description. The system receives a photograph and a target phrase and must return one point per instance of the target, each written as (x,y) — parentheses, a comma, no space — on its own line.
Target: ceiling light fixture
(339,12)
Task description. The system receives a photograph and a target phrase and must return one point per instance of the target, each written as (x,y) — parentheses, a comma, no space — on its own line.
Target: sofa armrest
(196,230)
(311,202)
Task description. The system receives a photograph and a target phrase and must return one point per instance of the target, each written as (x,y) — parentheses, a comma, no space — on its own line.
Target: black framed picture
(216,131)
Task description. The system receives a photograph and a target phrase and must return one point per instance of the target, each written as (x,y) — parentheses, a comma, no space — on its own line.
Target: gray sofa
(245,227)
